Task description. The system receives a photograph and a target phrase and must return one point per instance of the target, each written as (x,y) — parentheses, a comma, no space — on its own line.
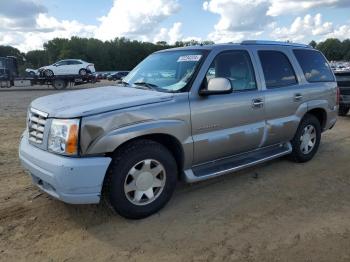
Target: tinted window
(314,65)
(61,63)
(73,62)
(278,71)
(235,66)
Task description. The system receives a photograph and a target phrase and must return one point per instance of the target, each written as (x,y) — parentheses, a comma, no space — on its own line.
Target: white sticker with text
(189,58)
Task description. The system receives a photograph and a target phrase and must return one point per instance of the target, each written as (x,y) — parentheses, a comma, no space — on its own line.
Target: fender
(178,129)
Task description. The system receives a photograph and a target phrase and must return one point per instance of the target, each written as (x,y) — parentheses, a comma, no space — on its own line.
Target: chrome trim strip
(38,112)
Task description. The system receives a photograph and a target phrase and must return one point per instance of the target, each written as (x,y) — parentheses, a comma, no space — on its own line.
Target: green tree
(313,44)
(37,58)
(54,48)
(332,49)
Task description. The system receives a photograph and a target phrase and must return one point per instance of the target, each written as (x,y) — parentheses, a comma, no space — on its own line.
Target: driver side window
(237,67)
(61,63)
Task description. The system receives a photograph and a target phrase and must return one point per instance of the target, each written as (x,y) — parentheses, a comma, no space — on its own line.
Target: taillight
(338,96)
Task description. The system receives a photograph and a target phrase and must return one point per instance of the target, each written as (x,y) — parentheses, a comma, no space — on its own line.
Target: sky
(28,24)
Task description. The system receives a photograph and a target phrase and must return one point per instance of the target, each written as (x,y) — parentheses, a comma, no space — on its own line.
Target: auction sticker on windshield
(189,58)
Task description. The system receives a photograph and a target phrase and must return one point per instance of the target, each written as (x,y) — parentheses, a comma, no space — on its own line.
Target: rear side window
(277,68)
(314,65)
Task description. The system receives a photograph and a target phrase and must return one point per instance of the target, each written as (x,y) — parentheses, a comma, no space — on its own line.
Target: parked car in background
(190,113)
(67,67)
(117,75)
(106,74)
(343,79)
(340,66)
(98,75)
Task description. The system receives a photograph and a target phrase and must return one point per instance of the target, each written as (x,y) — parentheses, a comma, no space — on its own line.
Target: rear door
(283,94)
(73,67)
(228,124)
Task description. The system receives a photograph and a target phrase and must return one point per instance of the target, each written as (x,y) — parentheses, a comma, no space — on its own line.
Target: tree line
(118,54)
(334,49)
(124,54)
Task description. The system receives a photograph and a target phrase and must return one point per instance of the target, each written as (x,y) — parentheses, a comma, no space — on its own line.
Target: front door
(61,68)
(228,124)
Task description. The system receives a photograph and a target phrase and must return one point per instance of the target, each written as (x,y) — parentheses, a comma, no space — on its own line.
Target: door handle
(257,103)
(298,97)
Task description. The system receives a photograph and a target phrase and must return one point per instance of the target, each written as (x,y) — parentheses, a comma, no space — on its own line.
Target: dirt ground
(287,212)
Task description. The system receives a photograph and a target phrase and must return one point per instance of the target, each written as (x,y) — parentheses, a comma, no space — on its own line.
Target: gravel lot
(287,212)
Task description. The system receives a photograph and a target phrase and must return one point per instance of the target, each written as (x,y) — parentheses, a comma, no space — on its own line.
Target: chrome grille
(36,125)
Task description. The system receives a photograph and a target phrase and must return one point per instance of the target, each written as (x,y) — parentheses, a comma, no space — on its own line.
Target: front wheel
(49,73)
(141,179)
(307,139)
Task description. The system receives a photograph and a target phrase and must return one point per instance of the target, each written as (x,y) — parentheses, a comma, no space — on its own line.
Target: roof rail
(266,42)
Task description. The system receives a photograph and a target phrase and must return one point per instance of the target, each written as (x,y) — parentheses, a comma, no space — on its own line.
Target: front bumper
(71,180)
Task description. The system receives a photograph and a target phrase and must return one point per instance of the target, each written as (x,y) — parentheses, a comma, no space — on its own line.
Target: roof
(246,43)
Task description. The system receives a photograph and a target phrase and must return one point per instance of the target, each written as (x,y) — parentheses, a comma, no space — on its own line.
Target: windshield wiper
(148,85)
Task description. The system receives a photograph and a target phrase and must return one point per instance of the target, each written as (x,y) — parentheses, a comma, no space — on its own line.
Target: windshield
(168,71)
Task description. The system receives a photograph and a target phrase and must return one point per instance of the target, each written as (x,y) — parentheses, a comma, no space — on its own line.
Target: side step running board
(235,163)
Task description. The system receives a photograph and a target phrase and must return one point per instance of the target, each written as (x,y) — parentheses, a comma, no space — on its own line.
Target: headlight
(63,137)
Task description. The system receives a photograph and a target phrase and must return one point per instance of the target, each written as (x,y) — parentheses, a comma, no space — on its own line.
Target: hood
(96,100)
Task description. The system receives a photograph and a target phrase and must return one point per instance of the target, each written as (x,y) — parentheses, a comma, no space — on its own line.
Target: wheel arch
(168,141)
(321,114)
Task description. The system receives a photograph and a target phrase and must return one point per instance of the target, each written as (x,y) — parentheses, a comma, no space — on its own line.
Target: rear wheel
(307,139)
(141,179)
(82,72)
(343,110)
(59,84)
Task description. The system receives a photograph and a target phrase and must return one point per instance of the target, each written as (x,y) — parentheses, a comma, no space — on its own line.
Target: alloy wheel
(144,182)
(308,139)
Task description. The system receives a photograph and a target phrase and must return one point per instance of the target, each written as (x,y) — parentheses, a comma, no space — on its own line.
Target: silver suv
(187,114)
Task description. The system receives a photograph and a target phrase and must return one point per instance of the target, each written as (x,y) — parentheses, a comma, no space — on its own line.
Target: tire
(59,84)
(82,72)
(49,73)
(343,110)
(304,152)
(132,161)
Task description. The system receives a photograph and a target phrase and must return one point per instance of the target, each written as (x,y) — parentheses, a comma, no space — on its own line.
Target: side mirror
(217,86)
